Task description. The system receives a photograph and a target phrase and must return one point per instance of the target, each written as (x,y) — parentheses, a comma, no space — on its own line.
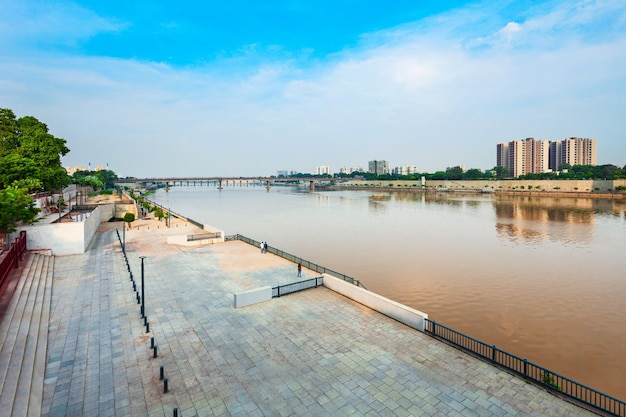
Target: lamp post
(143,299)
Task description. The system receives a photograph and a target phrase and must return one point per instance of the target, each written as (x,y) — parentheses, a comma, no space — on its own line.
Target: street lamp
(143,299)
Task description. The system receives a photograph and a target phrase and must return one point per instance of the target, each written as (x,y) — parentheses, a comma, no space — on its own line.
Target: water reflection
(530,275)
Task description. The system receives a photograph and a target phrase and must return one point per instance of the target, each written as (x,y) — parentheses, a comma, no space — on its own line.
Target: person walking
(262,246)
(299,270)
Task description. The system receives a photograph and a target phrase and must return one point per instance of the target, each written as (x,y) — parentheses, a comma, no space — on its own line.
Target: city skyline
(245,88)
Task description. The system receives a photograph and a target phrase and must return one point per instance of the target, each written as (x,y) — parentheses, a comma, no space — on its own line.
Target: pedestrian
(265,247)
(299,270)
(262,246)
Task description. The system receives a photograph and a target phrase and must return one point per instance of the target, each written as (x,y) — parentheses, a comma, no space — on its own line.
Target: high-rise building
(578,151)
(378,167)
(404,170)
(350,170)
(322,170)
(530,156)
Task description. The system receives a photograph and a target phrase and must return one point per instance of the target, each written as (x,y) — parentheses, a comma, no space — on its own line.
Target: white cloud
(427,97)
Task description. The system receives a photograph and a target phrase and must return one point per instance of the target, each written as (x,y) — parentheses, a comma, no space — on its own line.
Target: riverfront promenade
(313,353)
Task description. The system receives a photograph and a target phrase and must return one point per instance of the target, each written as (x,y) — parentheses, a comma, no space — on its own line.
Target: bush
(106,192)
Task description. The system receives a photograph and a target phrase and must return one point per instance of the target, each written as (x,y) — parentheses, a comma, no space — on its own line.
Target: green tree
(129,218)
(29,151)
(501,172)
(473,174)
(16,206)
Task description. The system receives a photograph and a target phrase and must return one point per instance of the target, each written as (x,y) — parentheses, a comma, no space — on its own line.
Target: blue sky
(250,87)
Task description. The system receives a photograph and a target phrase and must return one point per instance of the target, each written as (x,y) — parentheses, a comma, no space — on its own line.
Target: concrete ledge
(182,240)
(253,297)
(407,315)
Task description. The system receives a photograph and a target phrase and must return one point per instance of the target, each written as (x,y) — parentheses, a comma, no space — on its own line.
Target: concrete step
(9,327)
(24,376)
(35,399)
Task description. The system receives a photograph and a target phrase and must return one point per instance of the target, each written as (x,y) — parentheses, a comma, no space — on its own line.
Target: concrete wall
(64,238)
(122,209)
(586,186)
(407,315)
(255,296)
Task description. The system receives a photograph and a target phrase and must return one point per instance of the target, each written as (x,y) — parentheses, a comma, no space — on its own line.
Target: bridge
(221,182)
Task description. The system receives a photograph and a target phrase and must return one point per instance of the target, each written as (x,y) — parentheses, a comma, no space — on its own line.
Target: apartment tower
(530,156)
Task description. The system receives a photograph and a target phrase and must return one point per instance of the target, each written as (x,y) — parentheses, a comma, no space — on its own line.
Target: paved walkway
(311,353)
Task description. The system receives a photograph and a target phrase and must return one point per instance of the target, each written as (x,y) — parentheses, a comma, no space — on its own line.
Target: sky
(249,87)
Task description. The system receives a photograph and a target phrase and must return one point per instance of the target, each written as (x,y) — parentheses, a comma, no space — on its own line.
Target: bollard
(154,355)
(165,385)
(152,342)
(134,287)
(145,320)
(175,412)
(161,373)
(138,301)
(147,327)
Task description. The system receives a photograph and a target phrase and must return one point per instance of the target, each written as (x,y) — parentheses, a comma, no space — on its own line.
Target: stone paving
(313,353)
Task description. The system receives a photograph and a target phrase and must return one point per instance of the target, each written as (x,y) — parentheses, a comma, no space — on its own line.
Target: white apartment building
(349,170)
(322,170)
(404,170)
(530,156)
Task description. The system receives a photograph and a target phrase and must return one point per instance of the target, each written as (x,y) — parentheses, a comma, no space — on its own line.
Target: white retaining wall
(253,296)
(407,315)
(65,238)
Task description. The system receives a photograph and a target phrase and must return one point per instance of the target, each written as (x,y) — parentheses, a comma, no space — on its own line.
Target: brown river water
(542,278)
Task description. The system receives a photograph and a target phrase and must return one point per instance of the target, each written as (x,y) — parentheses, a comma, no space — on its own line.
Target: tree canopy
(29,152)
(30,161)
(97,179)
(16,206)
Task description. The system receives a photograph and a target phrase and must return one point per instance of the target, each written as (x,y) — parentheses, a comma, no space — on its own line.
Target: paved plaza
(313,353)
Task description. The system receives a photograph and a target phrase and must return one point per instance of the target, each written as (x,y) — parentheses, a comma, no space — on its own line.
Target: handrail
(292,287)
(13,256)
(528,370)
(202,236)
(306,264)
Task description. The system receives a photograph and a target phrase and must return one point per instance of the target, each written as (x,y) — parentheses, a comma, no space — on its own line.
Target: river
(540,277)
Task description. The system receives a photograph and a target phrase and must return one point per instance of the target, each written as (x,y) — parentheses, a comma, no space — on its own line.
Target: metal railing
(290,288)
(305,264)
(528,370)
(202,236)
(12,256)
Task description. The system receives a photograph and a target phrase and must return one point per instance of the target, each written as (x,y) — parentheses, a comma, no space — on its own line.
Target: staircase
(24,340)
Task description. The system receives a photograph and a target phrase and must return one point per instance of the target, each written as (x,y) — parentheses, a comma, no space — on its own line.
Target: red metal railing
(12,256)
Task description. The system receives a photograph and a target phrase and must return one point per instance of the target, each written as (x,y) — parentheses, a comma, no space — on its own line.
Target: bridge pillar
(311,185)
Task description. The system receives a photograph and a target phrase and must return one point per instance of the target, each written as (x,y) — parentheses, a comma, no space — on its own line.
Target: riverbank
(611,189)
(310,353)
(522,193)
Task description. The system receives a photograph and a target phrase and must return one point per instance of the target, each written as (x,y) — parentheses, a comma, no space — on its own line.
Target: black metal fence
(202,236)
(305,264)
(528,370)
(292,287)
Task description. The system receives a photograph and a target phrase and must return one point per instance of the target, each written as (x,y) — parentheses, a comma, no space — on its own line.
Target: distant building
(530,156)
(378,167)
(322,170)
(71,171)
(404,170)
(576,151)
(285,173)
(349,170)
